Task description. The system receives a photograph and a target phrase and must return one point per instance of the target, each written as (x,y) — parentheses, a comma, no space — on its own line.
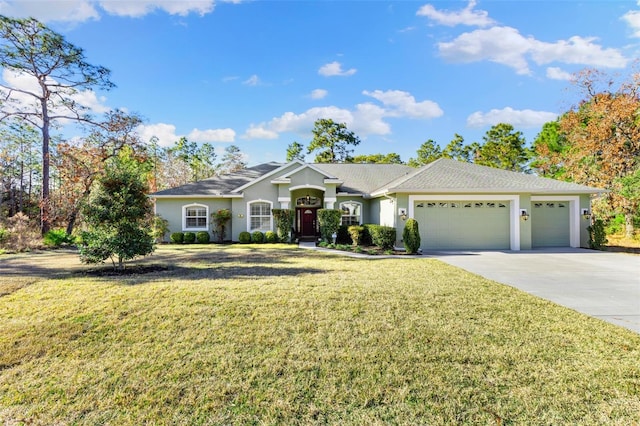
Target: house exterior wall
(171,209)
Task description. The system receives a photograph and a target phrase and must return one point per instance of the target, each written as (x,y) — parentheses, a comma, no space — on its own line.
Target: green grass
(276,335)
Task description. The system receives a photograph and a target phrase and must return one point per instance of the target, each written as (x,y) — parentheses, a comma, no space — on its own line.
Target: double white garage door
(485,225)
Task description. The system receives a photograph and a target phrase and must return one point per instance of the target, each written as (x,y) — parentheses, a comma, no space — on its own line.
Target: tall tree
(428,152)
(232,160)
(603,132)
(57,71)
(391,158)
(457,150)
(332,141)
(200,159)
(549,146)
(504,148)
(294,151)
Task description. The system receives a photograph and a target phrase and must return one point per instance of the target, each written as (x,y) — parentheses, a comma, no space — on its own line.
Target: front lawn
(277,335)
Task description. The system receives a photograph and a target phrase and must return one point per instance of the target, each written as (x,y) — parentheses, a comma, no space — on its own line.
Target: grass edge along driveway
(278,335)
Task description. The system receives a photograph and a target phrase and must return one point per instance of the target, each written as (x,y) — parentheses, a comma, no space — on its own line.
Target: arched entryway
(306,223)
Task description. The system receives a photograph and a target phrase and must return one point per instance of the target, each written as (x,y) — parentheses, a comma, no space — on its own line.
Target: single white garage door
(459,225)
(550,224)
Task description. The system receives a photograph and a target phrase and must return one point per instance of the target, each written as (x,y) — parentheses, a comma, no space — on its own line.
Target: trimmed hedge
(244,237)
(270,237)
(356,232)
(257,237)
(203,237)
(177,237)
(329,220)
(189,237)
(382,236)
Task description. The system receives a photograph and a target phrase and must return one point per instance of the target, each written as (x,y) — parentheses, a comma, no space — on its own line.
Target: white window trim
(185,228)
(352,202)
(514,210)
(249,215)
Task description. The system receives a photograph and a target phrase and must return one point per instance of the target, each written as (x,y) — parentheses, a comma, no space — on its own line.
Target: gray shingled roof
(364,178)
(220,185)
(446,175)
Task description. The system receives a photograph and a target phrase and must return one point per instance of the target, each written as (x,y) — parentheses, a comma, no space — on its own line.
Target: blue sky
(257,74)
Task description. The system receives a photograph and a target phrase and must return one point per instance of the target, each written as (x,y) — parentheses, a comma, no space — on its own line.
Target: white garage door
(456,225)
(550,224)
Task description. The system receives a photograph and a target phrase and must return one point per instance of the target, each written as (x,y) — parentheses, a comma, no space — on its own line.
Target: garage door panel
(455,225)
(550,224)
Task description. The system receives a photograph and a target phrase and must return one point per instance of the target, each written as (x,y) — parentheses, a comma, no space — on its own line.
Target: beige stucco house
(458,206)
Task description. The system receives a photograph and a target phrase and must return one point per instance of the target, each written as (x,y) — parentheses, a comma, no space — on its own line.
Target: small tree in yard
(119,217)
(411,236)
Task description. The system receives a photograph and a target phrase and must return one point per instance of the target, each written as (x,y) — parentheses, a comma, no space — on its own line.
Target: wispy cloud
(335,69)
(466,16)
(525,118)
(318,94)
(254,80)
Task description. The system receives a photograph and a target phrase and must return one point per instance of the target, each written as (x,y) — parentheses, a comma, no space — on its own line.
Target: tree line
(49,178)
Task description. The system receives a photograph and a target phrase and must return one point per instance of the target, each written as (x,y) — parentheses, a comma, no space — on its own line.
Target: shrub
(203,237)
(411,236)
(220,220)
(343,236)
(270,237)
(21,234)
(159,228)
(244,237)
(57,238)
(356,231)
(177,237)
(329,220)
(257,237)
(381,236)
(284,223)
(189,237)
(4,235)
(597,235)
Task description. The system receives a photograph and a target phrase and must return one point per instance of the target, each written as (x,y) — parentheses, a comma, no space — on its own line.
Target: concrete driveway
(600,284)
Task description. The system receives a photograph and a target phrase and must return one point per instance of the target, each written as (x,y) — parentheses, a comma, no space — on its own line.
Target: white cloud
(555,73)
(335,69)
(632,19)
(212,135)
(254,80)
(466,16)
(318,94)
(525,118)
(166,133)
(403,104)
(364,119)
(506,46)
(139,8)
(83,10)
(47,11)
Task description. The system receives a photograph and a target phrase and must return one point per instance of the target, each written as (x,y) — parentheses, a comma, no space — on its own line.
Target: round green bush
(177,237)
(203,237)
(189,237)
(270,237)
(244,237)
(257,237)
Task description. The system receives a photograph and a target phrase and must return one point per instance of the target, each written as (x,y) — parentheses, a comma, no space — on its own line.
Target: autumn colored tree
(332,141)
(549,145)
(57,72)
(603,134)
(80,162)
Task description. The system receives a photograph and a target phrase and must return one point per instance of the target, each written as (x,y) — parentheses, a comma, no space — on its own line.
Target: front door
(308,219)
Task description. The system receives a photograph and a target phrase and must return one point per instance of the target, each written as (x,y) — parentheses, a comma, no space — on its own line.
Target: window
(351,213)
(260,216)
(196,217)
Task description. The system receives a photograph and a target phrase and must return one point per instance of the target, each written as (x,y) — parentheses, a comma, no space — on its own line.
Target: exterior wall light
(586,214)
(240,215)
(403,214)
(524,215)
